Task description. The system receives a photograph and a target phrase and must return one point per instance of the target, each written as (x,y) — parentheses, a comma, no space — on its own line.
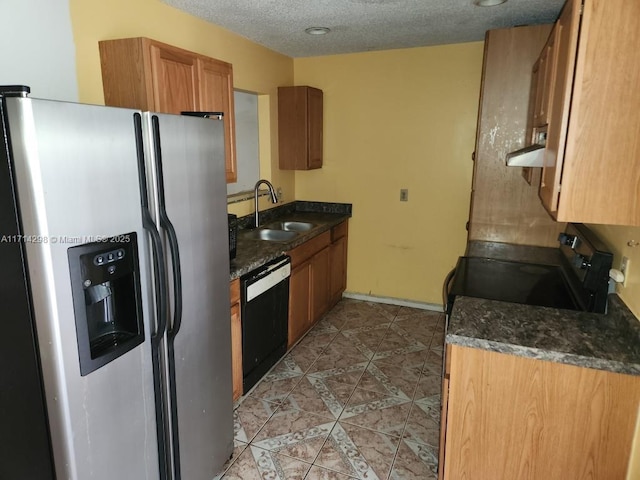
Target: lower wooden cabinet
(338,262)
(236,339)
(511,417)
(299,301)
(320,284)
(318,278)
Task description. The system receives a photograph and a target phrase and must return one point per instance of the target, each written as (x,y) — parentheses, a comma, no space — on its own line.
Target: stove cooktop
(580,282)
(529,284)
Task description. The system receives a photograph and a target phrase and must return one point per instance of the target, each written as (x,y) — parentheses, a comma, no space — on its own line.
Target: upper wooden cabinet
(543,81)
(150,75)
(300,127)
(591,170)
(504,208)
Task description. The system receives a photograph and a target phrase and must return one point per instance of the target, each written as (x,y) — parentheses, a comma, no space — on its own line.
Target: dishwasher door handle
(265,283)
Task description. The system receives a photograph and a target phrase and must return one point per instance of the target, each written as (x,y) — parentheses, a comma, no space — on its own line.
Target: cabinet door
(512,417)
(174,77)
(299,301)
(444,409)
(545,81)
(338,270)
(236,351)
(314,133)
(319,284)
(300,117)
(236,338)
(601,169)
(566,37)
(216,95)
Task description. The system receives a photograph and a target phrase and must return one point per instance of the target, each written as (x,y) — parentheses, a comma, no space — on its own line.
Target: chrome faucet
(274,197)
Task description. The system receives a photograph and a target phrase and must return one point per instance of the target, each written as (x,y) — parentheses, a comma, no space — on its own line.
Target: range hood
(531,156)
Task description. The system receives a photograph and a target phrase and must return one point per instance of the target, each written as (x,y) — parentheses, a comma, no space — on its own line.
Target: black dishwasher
(264,314)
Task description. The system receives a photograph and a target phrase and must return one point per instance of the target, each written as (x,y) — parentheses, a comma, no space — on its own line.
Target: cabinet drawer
(308,249)
(339,231)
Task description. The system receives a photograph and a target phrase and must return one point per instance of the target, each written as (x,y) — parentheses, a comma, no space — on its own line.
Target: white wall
(37,49)
(247,145)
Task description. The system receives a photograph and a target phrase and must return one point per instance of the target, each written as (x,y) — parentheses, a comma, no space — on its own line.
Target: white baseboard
(394,301)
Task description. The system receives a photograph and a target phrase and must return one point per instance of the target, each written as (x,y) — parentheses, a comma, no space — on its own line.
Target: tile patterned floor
(357,398)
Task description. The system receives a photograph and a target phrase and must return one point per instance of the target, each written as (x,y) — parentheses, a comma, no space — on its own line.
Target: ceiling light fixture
(488,3)
(317,30)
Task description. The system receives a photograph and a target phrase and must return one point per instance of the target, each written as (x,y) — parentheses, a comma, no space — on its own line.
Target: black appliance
(264,294)
(105,285)
(579,282)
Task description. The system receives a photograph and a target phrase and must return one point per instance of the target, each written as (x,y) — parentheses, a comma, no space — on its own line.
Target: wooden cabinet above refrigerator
(150,75)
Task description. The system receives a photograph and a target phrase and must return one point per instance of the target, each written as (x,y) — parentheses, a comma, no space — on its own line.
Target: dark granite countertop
(252,253)
(606,342)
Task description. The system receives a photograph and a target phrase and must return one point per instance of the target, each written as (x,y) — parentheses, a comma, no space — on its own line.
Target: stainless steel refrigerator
(114,293)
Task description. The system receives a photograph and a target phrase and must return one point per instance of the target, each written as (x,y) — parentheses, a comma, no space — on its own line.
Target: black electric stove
(578,282)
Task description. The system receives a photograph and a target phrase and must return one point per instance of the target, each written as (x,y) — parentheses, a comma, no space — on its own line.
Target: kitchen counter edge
(252,254)
(608,342)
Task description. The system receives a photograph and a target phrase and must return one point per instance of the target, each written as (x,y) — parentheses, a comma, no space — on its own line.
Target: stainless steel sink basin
(272,235)
(291,226)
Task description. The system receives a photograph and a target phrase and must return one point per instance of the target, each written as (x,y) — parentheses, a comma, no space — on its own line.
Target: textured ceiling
(363,25)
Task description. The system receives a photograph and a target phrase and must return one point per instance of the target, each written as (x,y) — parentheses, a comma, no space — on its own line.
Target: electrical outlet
(279,194)
(624,268)
(404,194)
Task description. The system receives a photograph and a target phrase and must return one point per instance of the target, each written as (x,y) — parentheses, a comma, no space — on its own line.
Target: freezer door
(77,183)
(188,170)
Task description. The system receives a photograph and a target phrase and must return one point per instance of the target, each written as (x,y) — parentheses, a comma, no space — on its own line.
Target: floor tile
(415,460)
(316,339)
(357,398)
(399,341)
(238,448)
(409,358)
(422,427)
(428,385)
(304,356)
(432,406)
(330,323)
(337,361)
(319,395)
(364,339)
(319,473)
(383,413)
(360,452)
(434,358)
(295,433)
(258,464)
(390,379)
(250,416)
(275,390)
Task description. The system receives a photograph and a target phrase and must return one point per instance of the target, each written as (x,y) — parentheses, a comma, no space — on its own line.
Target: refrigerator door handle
(161,303)
(166,224)
(154,234)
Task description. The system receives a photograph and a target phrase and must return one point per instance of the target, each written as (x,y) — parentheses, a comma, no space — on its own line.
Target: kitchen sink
(291,226)
(272,235)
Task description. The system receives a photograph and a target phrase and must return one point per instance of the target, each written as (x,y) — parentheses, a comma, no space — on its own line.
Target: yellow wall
(398,119)
(255,68)
(617,238)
